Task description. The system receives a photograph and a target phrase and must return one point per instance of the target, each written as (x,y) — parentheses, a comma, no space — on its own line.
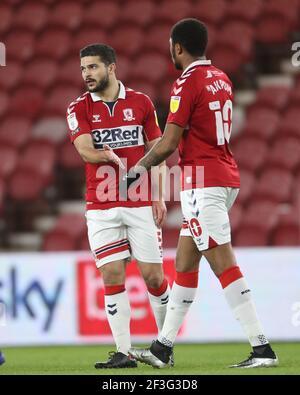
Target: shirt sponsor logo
(119,137)
(72,121)
(174,103)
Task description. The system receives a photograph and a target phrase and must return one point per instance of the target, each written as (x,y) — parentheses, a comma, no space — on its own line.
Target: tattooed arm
(163,149)
(158,153)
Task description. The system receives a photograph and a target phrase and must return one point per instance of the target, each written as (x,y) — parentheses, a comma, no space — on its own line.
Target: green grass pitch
(190,359)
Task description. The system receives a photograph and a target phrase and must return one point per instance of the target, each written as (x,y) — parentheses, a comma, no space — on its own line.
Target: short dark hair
(191,34)
(105,52)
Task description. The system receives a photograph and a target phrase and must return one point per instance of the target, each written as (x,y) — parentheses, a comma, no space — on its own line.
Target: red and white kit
(201,103)
(114,226)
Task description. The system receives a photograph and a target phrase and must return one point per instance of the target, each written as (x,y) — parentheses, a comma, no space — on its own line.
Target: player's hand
(129,178)
(112,157)
(159,211)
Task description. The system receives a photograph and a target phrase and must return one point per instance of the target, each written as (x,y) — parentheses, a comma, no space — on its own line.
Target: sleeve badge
(72,121)
(174,104)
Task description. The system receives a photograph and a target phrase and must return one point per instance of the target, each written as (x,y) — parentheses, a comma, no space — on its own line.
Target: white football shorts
(205,212)
(122,232)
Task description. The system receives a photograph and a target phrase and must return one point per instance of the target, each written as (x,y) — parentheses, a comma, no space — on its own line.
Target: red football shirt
(201,102)
(125,128)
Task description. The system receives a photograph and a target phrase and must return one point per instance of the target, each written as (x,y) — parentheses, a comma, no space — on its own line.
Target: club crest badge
(128,114)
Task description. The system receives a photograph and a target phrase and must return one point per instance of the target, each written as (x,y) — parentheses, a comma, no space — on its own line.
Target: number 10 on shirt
(223,120)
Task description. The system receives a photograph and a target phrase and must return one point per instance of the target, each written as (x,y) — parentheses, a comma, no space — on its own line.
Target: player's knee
(220,258)
(153,280)
(221,267)
(184,265)
(111,276)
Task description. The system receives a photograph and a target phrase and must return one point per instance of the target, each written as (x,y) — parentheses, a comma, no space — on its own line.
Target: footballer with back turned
(199,124)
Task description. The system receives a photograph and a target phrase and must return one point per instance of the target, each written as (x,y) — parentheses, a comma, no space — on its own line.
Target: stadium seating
(110,9)
(40,73)
(26,100)
(289,125)
(141,85)
(6,13)
(54,43)
(43,76)
(25,185)
(210,11)
(171,14)
(250,153)
(247,186)
(262,123)
(70,73)
(32,15)
(20,45)
(3,103)
(8,161)
(58,241)
(285,153)
(239,28)
(43,153)
(239,9)
(2,195)
(150,66)
(230,53)
(164,93)
(73,11)
(295,97)
(52,129)
(274,185)
(10,76)
(127,39)
(124,68)
(15,131)
(66,234)
(287,232)
(59,99)
(85,36)
(158,40)
(235,215)
(273,97)
(140,12)
(257,222)
(68,157)
(277,21)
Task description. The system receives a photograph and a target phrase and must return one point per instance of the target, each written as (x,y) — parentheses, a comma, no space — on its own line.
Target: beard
(177,66)
(101,86)
(176,63)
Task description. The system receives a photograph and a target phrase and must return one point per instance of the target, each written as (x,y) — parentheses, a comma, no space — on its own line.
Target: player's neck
(189,60)
(111,93)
